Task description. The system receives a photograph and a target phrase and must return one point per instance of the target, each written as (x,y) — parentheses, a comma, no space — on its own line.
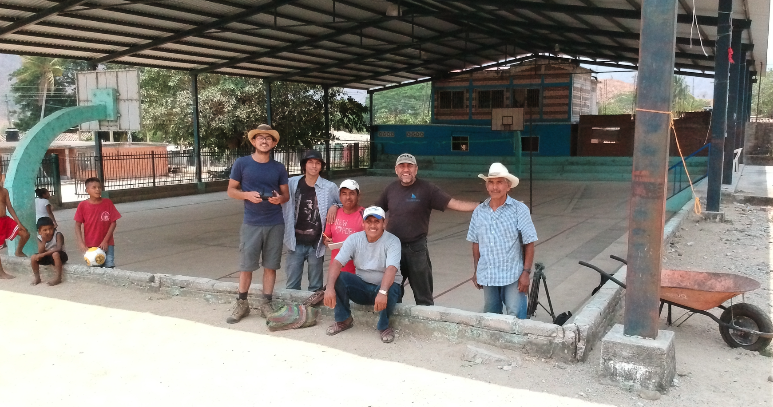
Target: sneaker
(241,310)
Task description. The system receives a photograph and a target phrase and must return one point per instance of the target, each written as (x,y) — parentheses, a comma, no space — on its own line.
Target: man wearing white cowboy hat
(261,183)
(502,236)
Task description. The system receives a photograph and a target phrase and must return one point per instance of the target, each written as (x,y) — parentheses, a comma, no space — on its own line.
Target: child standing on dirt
(95,221)
(10,227)
(50,251)
(43,207)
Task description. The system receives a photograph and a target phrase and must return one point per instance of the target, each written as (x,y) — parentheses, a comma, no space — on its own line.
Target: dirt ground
(709,372)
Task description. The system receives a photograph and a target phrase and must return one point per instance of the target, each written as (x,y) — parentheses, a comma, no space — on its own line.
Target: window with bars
(460,143)
(491,99)
(527,97)
(451,99)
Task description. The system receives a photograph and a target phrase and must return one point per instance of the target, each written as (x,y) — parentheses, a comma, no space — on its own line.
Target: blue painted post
(719,115)
(650,167)
(23,168)
(371,130)
(733,103)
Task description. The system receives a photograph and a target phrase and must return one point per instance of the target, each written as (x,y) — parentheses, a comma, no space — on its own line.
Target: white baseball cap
(373,211)
(405,158)
(350,184)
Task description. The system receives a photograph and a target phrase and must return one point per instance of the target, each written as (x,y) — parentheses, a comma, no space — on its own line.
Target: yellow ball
(94,257)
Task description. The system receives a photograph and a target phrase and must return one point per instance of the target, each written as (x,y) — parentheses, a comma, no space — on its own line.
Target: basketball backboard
(507,119)
(127,83)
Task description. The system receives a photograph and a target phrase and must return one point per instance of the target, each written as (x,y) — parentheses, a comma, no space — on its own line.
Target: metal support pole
(326,102)
(650,162)
(733,104)
(371,130)
(743,102)
(196,138)
(719,115)
(98,159)
(268,103)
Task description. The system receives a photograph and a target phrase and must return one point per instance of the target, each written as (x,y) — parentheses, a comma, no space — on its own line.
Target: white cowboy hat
(497,170)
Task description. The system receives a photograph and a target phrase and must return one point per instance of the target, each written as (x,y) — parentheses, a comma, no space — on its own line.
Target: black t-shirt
(409,208)
(308,226)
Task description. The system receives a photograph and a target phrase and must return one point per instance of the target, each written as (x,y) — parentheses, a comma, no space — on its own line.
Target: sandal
(339,327)
(387,335)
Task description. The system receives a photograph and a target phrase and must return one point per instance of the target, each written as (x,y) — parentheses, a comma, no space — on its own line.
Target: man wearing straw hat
(261,183)
(502,236)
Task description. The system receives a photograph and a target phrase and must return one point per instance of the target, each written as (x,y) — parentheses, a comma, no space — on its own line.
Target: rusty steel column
(719,112)
(733,103)
(650,163)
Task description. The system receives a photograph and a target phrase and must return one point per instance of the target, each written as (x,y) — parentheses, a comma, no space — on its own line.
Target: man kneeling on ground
(377,278)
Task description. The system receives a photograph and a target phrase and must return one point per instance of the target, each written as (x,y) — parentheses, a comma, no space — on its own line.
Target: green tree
(406,105)
(762,96)
(42,86)
(230,106)
(682,100)
(622,103)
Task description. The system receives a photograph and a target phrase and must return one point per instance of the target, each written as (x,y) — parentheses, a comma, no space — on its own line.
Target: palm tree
(44,70)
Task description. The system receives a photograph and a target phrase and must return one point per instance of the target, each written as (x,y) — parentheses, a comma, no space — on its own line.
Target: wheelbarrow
(742,325)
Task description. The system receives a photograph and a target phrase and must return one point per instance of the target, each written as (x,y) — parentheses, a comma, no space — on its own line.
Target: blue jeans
(295,260)
(109,257)
(514,300)
(351,287)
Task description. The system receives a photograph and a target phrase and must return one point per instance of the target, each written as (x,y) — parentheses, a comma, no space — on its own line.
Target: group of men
(375,251)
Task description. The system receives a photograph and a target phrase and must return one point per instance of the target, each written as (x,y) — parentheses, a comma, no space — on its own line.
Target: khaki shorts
(257,240)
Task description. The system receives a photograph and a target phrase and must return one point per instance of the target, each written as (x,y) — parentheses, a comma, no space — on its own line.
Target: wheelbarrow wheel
(745,316)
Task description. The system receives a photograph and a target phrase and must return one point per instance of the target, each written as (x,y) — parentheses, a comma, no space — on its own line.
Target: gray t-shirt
(372,259)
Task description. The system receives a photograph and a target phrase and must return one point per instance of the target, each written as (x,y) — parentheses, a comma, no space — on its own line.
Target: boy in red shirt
(348,219)
(97,215)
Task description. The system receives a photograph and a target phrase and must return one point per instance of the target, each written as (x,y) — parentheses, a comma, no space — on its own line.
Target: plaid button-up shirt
(496,232)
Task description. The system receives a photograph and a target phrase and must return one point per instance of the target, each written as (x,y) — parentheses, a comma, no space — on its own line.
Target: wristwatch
(382,292)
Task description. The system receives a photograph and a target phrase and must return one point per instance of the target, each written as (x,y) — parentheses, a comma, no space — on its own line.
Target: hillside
(609,88)
(8,64)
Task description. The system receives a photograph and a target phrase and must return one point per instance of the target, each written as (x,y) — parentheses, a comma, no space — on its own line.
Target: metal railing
(677,178)
(48,175)
(160,168)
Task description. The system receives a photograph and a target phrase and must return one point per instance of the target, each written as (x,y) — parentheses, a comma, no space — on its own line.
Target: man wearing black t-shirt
(409,201)
(304,214)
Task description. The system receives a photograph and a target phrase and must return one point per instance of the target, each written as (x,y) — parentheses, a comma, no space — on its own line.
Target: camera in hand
(265,195)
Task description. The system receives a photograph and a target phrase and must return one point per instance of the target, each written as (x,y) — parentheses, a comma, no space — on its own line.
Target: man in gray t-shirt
(377,278)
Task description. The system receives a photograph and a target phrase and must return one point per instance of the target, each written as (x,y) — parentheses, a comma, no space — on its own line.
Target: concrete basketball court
(199,236)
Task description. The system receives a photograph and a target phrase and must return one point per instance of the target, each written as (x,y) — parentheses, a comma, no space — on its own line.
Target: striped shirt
(496,232)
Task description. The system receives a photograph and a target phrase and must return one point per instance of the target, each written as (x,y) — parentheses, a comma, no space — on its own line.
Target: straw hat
(263,129)
(497,170)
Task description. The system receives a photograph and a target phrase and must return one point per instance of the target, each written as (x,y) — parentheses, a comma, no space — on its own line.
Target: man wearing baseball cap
(502,236)
(261,183)
(348,219)
(409,201)
(377,278)
(304,214)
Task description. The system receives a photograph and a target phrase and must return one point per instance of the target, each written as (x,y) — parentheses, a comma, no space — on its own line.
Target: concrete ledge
(532,337)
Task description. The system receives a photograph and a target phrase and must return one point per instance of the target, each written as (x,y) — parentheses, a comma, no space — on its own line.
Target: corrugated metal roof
(356,43)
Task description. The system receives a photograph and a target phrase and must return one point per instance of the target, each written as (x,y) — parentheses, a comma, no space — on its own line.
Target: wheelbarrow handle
(603,273)
(620,259)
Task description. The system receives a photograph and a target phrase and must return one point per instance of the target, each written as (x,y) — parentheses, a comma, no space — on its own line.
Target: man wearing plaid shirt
(502,236)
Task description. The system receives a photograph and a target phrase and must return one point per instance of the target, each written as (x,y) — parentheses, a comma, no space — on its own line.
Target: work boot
(241,310)
(264,307)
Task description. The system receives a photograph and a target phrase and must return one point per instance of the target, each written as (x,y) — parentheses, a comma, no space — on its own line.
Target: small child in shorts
(43,206)
(10,227)
(50,251)
(95,221)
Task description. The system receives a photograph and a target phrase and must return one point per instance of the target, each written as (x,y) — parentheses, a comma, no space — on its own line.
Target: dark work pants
(416,268)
